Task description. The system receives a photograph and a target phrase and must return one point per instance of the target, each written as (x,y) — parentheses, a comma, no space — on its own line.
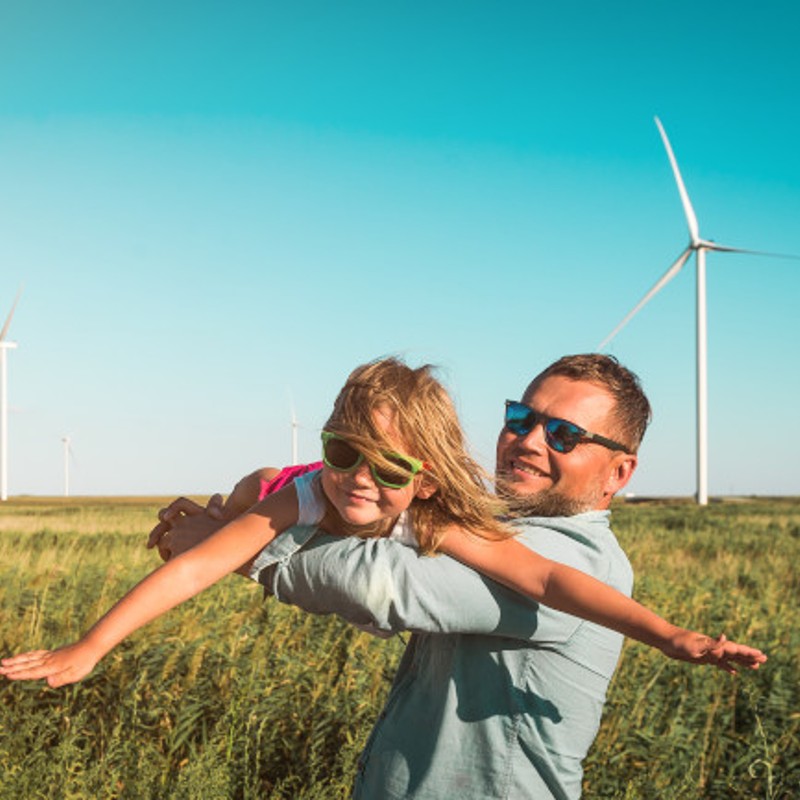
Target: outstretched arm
(576,593)
(177,580)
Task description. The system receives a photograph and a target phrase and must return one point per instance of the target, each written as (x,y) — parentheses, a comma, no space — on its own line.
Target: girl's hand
(66,665)
(698,648)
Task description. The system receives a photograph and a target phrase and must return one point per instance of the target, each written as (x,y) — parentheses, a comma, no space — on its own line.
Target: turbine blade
(658,286)
(7,325)
(723,248)
(691,217)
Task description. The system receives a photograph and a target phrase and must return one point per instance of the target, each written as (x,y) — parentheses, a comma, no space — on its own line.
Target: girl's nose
(362,474)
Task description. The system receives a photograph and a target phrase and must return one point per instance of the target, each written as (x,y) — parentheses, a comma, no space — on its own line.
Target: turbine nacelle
(710,244)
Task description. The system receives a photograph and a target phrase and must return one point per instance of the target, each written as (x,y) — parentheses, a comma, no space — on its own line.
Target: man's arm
(375,582)
(389,586)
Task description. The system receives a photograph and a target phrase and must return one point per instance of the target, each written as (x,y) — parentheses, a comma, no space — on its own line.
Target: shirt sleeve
(390,587)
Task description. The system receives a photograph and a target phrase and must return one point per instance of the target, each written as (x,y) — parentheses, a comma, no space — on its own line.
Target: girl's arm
(177,580)
(567,589)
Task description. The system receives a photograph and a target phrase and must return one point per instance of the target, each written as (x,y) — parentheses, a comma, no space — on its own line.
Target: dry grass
(232,697)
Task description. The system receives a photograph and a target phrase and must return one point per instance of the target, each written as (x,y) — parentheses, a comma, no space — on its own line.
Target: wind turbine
(67,442)
(699,247)
(295,426)
(5,345)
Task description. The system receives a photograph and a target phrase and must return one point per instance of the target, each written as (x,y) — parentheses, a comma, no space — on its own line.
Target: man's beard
(544,503)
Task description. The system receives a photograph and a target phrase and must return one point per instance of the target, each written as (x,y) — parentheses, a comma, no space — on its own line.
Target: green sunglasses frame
(537,417)
(416,466)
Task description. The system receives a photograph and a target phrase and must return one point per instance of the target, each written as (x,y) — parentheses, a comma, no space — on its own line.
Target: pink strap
(286,476)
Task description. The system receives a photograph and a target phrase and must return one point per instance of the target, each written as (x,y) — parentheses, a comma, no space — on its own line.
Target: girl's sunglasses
(340,455)
(560,435)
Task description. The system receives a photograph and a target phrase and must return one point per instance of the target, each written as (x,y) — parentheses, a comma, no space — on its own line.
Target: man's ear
(623,465)
(427,488)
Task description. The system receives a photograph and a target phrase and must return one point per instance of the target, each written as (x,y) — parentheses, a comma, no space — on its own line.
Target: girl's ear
(427,488)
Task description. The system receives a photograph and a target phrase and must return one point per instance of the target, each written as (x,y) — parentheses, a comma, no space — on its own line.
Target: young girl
(371,486)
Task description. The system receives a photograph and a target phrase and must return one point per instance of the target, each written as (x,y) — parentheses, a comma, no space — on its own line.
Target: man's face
(549,483)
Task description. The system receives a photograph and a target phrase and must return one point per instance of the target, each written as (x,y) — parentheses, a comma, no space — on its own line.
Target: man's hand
(183,524)
(700,649)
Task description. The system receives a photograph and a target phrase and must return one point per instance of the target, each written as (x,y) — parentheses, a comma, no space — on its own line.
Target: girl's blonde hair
(426,421)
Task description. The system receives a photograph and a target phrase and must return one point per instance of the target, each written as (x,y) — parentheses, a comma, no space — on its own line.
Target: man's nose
(534,439)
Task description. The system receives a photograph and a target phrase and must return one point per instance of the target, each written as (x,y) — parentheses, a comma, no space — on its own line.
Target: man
(496,696)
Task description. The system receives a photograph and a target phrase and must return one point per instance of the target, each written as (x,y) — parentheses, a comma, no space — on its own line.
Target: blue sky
(218,209)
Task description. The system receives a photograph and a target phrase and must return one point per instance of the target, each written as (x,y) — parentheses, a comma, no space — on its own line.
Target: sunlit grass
(232,696)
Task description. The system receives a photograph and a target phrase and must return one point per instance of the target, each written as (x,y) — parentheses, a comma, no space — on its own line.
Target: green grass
(233,697)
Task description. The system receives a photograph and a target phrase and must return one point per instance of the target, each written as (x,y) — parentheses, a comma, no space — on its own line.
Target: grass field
(233,697)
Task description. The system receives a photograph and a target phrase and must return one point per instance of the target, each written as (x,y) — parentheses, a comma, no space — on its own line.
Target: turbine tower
(67,442)
(5,346)
(699,247)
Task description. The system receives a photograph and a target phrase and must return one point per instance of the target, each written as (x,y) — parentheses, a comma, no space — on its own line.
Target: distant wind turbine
(699,247)
(293,425)
(294,437)
(67,442)
(5,345)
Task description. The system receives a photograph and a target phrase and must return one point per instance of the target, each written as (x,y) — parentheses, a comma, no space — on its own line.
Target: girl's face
(358,498)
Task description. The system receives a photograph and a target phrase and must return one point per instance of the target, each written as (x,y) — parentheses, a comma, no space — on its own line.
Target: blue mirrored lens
(519,418)
(561,435)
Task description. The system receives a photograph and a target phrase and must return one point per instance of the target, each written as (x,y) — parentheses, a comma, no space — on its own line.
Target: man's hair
(632,411)
(426,420)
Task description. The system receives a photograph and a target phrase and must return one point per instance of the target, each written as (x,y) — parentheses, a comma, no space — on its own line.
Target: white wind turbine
(699,247)
(5,346)
(67,442)
(295,426)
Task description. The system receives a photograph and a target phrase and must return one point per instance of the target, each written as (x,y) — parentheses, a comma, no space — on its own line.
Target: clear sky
(217,209)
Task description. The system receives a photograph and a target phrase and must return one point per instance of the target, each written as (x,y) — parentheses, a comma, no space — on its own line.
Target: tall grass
(233,697)
(671,731)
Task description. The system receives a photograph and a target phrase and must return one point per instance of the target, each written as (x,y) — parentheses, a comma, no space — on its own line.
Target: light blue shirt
(496,696)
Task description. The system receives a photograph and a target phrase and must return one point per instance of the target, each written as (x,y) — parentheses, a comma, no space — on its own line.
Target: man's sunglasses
(560,435)
(340,455)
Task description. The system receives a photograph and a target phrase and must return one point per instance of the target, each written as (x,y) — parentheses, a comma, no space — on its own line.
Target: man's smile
(528,469)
